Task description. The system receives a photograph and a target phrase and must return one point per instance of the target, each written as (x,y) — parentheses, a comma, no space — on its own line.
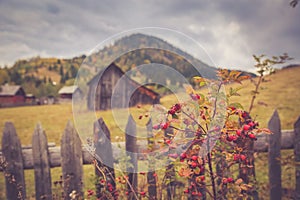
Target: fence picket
(297,157)
(131,149)
(274,157)
(104,154)
(71,159)
(43,189)
(14,174)
(151,179)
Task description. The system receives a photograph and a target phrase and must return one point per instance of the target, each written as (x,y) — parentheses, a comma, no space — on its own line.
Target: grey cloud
(231,31)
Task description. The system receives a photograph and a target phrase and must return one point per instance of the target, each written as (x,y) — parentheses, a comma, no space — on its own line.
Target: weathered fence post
(170,178)
(43,189)
(274,157)
(71,162)
(297,157)
(131,149)
(104,156)
(14,174)
(151,165)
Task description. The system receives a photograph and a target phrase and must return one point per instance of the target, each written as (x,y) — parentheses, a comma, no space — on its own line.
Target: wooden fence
(70,156)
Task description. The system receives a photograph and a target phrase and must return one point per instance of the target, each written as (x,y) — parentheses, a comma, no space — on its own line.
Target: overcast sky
(230,31)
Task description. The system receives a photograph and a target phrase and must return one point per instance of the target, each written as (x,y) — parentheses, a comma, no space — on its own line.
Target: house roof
(68,89)
(9,90)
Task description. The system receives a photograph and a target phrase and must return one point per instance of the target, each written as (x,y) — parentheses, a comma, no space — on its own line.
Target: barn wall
(12,100)
(105,88)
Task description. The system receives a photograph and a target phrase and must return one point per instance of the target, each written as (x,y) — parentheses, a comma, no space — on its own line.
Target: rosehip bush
(208,141)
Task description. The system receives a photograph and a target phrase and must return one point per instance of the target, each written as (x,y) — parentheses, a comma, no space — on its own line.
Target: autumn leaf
(185,172)
(239,181)
(262,130)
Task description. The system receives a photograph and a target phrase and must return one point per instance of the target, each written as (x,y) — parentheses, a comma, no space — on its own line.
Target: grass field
(281,92)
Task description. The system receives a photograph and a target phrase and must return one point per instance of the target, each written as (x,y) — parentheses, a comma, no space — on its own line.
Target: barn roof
(68,89)
(9,90)
(112,65)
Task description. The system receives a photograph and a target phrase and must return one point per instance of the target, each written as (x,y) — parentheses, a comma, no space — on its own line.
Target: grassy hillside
(281,92)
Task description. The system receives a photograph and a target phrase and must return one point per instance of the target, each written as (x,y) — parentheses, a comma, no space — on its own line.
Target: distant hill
(160,52)
(45,76)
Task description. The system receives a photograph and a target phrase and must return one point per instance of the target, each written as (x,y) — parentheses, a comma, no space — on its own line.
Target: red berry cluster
(163,126)
(192,161)
(245,131)
(174,109)
(239,157)
(227,180)
(143,193)
(192,191)
(90,193)
(195,97)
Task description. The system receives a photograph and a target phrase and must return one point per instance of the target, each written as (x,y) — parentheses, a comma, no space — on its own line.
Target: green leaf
(236,105)
(202,83)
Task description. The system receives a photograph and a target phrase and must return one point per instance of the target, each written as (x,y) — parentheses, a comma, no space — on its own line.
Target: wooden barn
(12,95)
(102,86)
(69,92)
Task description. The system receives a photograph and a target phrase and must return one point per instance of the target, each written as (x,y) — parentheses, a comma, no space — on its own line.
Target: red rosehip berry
(246,127)
(202,178)
(143,193)
(177,106)
(195,97)
(194,193)
(127,193)
(236,157)
(167,141)
(164,126)
(194,158)
(243,157)
(229,180)
(186,191)
(230,138)
(239,132)
(172,111)
(225,181)
(182,155)
(156,127)
(234,138)
(155,175)
(232,107)
(252,136)
(194,164)
(244,114)
(251,124)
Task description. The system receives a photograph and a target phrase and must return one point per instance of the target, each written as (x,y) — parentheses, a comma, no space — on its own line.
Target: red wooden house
(12,95)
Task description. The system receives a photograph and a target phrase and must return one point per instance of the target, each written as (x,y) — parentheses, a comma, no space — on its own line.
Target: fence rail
(260,145)
(42,156)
